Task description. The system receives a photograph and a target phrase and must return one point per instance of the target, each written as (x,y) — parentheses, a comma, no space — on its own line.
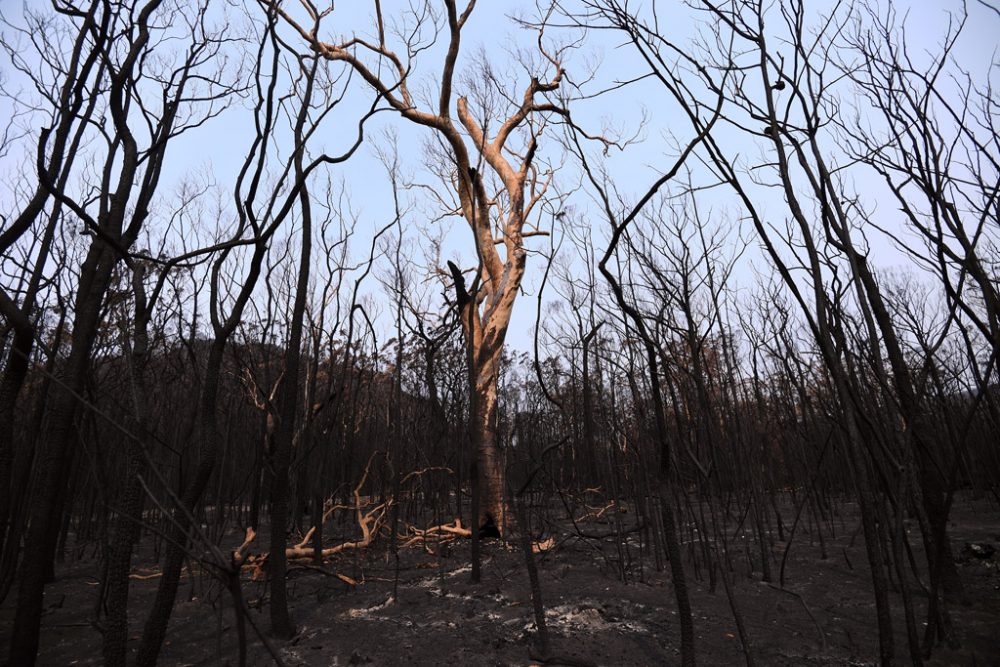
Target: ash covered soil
(823,616)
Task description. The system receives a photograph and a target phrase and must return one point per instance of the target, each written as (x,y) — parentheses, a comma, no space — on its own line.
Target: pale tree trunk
(484,321)
(486,446)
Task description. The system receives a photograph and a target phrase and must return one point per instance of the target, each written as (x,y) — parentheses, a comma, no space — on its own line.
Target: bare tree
(496,220)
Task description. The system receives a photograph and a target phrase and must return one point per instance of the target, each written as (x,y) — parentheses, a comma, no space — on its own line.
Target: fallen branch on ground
(442,533)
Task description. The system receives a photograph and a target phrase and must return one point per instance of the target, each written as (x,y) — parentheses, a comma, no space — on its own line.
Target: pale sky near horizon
(219,147)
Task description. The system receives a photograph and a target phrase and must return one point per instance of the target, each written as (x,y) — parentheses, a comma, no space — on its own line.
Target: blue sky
(219,147)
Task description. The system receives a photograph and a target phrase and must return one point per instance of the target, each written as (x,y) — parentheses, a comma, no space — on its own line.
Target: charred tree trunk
(127,525)
(155,630)
(45,517)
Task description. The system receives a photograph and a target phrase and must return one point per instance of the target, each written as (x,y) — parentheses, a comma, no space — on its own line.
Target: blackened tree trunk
(54,452)
(128,522)
(288,394)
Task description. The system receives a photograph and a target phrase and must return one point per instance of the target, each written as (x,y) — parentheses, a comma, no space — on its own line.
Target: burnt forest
(527,332)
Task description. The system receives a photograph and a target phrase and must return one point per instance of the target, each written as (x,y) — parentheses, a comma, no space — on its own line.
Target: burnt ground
(825,615)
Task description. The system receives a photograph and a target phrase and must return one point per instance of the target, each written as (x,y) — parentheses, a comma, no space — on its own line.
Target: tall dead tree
(477,155)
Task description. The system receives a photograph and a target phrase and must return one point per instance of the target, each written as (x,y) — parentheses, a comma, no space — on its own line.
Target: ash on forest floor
(825,615)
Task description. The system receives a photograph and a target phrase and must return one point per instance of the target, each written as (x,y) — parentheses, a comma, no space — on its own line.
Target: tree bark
(490,461)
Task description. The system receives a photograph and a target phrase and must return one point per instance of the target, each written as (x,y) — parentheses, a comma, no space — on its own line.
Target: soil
(823,616)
